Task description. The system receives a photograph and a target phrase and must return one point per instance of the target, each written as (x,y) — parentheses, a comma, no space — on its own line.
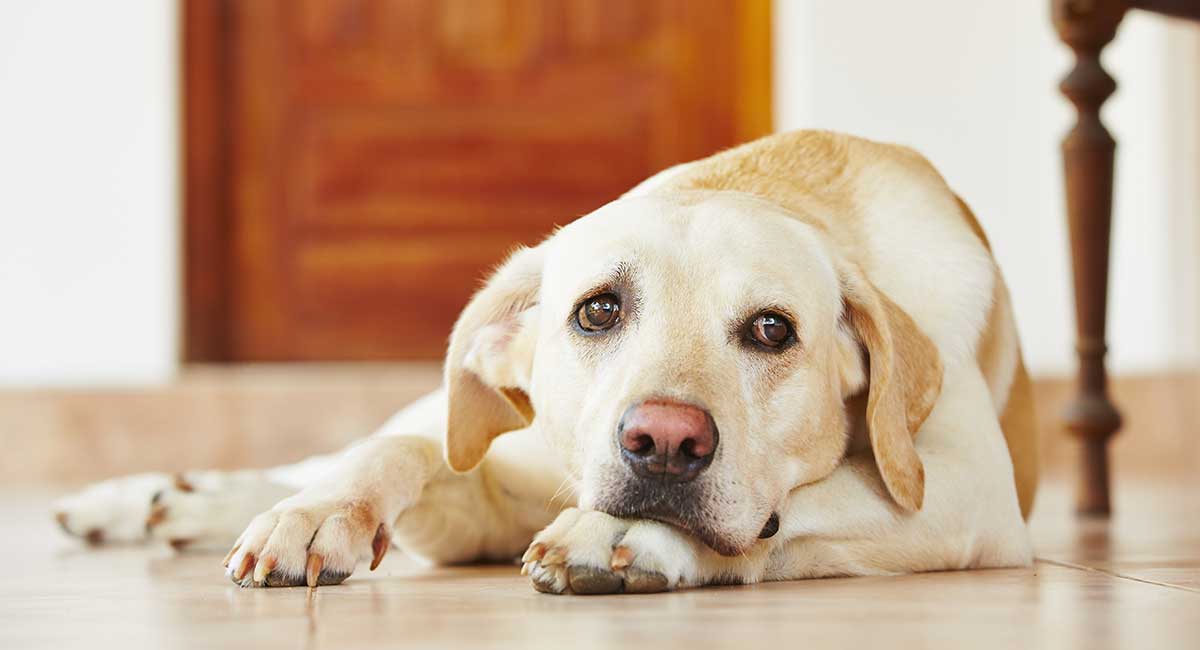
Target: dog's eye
(770,330)
(599,313)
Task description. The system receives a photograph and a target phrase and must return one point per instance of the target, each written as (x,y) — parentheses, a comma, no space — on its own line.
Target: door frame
(205,33)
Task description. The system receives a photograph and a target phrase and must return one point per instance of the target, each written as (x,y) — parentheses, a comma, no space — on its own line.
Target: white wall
(973,85)
(88,166)
(88,191)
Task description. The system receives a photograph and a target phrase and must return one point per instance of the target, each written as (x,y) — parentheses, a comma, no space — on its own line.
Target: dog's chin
(679,506)
(717,541)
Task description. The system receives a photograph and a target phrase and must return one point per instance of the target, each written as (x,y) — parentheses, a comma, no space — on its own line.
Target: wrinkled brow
(619,276)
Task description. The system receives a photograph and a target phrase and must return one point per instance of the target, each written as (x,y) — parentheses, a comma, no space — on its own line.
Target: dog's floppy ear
(904,381)
(490,359)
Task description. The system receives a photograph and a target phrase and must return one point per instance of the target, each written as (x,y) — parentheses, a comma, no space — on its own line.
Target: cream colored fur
(896,436)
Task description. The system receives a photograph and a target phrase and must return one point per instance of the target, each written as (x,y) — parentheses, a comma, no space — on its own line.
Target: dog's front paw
(308,541)
(116,510)
(196,510)
(588,552)
(207,510)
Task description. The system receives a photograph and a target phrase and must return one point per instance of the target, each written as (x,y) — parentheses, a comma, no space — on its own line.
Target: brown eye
(770,330)
(598,313)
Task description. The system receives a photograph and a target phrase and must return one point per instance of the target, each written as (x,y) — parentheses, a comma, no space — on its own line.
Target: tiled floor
(1133,582)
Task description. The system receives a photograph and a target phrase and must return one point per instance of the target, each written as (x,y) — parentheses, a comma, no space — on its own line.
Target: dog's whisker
(566,486)
(550,501)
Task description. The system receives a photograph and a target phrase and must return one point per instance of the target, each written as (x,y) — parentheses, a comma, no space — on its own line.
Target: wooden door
(354,167)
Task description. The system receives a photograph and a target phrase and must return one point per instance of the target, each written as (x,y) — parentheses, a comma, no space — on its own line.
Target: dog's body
(825,302)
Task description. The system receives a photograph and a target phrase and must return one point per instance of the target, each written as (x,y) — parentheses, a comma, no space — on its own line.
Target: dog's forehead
(739,228)
(718,241)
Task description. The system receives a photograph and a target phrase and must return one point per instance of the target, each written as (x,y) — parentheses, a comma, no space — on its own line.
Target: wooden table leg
(1087,26)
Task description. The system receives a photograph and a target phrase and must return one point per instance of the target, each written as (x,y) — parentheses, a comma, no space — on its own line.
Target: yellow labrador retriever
(793,359)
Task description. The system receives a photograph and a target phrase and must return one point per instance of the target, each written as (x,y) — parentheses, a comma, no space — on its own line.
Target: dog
(794,359)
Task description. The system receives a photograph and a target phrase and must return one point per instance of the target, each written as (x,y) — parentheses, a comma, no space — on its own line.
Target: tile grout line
(1114,574)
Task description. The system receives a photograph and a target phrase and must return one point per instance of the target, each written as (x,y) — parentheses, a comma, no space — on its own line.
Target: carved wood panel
(378,156)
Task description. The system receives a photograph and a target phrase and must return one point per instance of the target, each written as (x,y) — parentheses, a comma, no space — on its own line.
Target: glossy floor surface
(1133,582)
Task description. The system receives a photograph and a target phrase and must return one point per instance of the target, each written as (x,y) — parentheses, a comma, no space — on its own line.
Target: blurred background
(237,232)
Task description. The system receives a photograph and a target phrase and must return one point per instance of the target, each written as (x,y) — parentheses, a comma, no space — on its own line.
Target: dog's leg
(396,487)
(199,509)
(385,490)
(194,510)
(321,533)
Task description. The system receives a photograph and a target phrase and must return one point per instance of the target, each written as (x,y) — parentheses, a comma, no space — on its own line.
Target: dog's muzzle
(667,441)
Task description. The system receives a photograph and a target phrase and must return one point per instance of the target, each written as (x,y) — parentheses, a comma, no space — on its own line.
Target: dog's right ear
(904,380)
(490,359)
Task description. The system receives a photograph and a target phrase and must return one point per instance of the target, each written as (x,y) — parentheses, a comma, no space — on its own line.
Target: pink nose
(667,440)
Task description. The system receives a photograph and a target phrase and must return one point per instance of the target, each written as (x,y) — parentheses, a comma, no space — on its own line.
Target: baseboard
(211,416)
(239,416)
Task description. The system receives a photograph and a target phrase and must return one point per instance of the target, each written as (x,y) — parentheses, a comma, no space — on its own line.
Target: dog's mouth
(681,506)
(711,538)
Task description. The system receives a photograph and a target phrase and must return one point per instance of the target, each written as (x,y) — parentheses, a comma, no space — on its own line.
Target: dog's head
(690,357)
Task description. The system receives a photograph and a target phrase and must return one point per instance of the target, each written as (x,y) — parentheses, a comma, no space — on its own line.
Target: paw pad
(549,573)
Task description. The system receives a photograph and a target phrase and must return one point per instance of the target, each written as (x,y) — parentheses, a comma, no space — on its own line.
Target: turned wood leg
(1087,26)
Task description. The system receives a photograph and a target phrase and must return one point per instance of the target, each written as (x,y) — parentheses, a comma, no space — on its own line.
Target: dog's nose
(667,440)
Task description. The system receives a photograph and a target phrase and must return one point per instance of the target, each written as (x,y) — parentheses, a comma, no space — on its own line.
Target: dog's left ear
(904,381)
(490,359)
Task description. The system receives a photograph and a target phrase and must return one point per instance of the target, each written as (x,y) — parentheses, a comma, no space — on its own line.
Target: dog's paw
(588,552)
(112,511)
(202,512)
(196,510)
(306,541)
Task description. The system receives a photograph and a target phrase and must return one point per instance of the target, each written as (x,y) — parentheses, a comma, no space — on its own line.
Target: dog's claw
(534,553)
(264,567)
(229,556)
(312,571)
(244,567)
(379,545)
(553,556)
(182,484)
(622,557)
(158,513)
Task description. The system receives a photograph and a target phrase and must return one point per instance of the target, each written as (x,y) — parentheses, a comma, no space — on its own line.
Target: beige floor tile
(61,595)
